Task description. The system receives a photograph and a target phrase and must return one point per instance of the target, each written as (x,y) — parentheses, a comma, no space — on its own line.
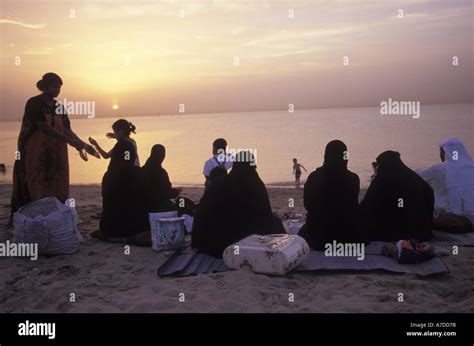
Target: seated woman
(331,200)
(398,204)
(158,190)
(123,210)
(234,207)
(453,183)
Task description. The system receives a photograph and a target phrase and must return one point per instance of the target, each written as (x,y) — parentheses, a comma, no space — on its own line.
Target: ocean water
(277,137)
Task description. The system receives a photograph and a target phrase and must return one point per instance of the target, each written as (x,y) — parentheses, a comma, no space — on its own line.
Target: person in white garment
(453,183)
(219,159)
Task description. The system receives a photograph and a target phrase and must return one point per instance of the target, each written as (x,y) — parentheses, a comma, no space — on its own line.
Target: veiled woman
(399,203)
(234,207)
(158,190)
(331,201)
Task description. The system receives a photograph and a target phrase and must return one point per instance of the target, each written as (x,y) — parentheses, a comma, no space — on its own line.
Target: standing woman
(42,168)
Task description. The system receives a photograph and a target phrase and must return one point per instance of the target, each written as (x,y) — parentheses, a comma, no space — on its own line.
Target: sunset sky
(147,58)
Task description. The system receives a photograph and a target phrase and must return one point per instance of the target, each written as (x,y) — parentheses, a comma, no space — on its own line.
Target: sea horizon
(118,114)
(302,134)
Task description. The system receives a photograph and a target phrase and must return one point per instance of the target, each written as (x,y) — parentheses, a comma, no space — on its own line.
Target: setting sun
(115,106)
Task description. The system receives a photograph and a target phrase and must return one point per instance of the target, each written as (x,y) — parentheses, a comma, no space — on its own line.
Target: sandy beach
(104,279)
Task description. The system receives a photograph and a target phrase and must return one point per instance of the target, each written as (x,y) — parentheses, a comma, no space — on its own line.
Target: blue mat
(191,262)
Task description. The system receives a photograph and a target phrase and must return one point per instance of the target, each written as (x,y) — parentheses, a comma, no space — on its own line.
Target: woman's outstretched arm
(102,152)
(51,131)
(90,150)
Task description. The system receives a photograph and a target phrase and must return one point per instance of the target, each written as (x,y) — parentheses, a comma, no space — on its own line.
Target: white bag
(50,224)
(167,230)
(188,222)
(274,254)
(70,203)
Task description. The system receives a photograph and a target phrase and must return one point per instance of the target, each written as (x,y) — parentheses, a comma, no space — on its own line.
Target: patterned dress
(41,167)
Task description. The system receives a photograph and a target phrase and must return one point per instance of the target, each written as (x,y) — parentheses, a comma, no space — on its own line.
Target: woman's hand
(76,143)
(92,141)
(83,155)
(110,135)
(90,149)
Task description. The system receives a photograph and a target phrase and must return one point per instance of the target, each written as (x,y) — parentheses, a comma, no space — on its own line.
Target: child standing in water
(122,130)
(297,172)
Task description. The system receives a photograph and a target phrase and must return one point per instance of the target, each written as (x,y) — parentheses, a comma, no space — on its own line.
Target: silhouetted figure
(331,200)
(123,206)
(398,204)
(234,207)
(297,172)
(157,185)
(219,159)
(42,167)
(374,168)
(122,130)
(452,181)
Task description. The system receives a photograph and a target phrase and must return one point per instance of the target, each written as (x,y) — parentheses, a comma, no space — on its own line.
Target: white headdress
(459,176)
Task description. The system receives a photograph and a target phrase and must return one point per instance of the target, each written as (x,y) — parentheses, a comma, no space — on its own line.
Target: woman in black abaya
(399,203)
(158,190)
(331,201)
(234,207)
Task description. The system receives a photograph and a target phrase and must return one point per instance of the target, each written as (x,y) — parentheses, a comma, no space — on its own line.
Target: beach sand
(104,279)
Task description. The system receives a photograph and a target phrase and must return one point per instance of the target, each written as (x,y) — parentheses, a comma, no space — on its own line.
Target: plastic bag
(167,230)
(50,224)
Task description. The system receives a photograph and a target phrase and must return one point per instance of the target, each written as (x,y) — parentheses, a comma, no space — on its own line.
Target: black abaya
(331,201)
(399,203)
(123,208)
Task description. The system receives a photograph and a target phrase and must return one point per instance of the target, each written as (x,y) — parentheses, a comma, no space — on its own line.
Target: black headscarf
(399,203)
(234,207)
(156,183)
(335,156)
(331,200)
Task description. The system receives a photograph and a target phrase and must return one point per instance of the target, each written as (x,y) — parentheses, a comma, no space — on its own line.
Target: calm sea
(277,136)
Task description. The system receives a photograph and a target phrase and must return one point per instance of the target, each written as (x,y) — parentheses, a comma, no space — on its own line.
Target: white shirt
(435,176)
(214,162)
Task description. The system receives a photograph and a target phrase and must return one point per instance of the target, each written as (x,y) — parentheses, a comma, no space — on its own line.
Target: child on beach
(219,159)
(122,130)
(297,172)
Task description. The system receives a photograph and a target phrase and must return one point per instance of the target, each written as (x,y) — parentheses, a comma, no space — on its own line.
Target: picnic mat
(191,262)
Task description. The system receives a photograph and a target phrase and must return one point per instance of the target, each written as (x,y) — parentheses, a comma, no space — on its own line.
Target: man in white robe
(452,181)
